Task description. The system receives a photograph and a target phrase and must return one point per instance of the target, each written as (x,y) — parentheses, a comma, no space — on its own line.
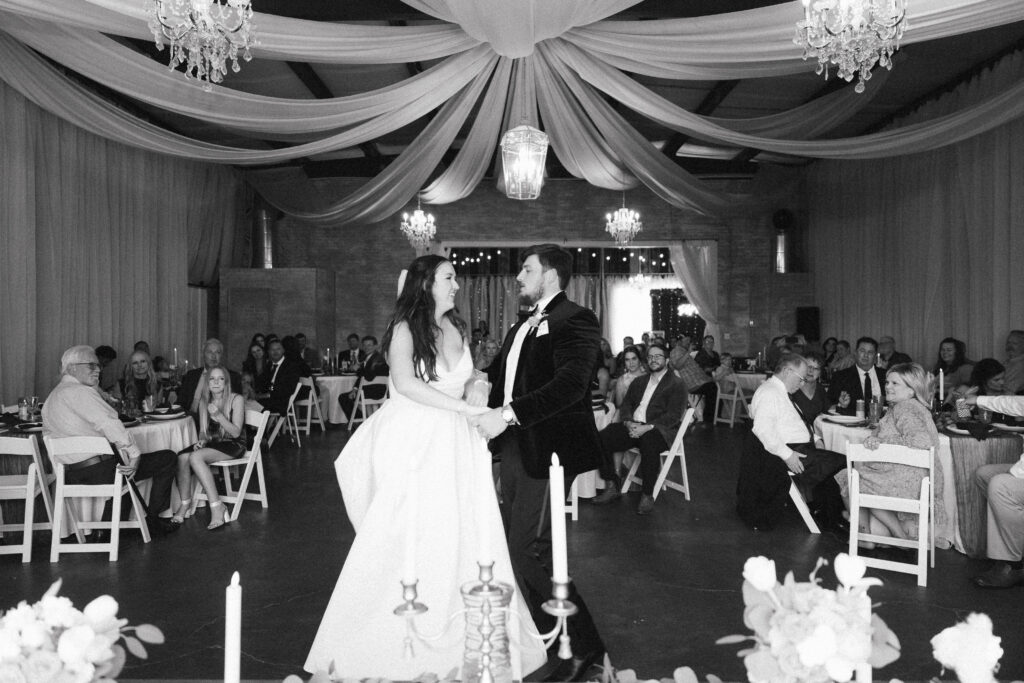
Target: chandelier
(624,224)
(523,151)
(639,280)
(203,35)
(419,227)
(852,35)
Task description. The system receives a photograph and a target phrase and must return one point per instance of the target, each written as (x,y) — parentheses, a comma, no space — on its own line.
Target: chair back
(59,448)
(14,445)
(254,418)
(9,410)
(677,443)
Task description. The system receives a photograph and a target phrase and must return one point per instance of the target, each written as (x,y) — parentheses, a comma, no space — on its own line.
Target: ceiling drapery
(559,54)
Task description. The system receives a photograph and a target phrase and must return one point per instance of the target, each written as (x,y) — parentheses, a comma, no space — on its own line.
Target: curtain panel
(100,243)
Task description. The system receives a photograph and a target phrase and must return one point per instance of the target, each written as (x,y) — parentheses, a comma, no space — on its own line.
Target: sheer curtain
(926,246)
(100,242)
(695,263)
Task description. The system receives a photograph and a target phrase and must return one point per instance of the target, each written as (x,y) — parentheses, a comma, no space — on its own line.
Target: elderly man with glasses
(75,408)
(781,443)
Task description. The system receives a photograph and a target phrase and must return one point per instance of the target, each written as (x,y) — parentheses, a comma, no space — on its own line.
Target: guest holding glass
(633,367)
(908,392)
(811,399)
(139,381)
(221,437)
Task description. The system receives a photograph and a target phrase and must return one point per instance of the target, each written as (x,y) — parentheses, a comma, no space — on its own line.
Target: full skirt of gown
(414,472)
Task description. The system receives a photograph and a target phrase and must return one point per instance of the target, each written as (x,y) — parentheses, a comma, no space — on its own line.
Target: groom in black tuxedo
(541,405)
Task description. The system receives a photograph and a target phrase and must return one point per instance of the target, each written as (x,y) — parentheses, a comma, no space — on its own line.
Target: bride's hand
(472,411)
(477,392)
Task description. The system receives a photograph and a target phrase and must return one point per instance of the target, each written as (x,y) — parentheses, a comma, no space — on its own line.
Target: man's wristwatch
(508,415)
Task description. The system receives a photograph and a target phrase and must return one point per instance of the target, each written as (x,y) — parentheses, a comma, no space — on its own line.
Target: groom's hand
(491,423)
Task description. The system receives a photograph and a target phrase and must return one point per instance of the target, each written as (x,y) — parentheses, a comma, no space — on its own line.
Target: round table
(331,387)
(748,381)
(588,483)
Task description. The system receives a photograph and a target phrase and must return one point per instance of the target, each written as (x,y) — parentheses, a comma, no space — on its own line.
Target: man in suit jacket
(541,405)
(888,356)
(193,384)
(277,382)
(353,354)
(652,410)
(848,386)
(374,366)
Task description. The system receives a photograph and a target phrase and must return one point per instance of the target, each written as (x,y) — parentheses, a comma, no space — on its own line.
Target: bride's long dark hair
(415,307)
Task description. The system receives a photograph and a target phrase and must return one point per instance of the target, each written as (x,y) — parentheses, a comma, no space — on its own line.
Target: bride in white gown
(408,472)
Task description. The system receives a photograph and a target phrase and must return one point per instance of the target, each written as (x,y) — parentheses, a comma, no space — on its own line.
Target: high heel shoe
(219,516)
(183,512)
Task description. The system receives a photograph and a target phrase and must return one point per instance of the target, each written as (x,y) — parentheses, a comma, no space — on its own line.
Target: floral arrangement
(969,649)
(804,632)
(53,641)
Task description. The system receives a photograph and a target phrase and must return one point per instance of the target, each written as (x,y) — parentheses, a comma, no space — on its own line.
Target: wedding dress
(412,471)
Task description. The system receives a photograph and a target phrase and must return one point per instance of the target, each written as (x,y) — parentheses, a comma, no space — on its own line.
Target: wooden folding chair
(923,506)
(252,460)
(364,405)
(64,492)
(25,487)
(801,505)
(734,399)
(676,450)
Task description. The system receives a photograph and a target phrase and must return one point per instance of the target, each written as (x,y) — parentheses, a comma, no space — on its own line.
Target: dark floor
(663,588)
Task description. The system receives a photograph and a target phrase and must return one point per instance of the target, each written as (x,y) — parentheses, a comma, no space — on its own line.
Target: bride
(409,478)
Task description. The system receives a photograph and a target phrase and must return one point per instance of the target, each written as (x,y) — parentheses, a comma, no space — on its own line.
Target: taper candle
(409,556)
(559,558)
(942,386)
(233,631)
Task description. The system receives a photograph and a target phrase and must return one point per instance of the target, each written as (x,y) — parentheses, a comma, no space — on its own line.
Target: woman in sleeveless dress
(409,478)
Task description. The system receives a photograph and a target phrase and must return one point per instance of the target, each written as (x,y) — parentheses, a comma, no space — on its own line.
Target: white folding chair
(64,492)
(676,450)
(696,401)
(364,405)
(311,404)
(25,487)
(923,506)
(252,460)
(289,421)
(734,399)
(801,505)
(573,507)
(9,410)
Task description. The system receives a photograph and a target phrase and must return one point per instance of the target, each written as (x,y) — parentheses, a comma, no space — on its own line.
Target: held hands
(490,424)
(794,464)
(872,443)
(477,392)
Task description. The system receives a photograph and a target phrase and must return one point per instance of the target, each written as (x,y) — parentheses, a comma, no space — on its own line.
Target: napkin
(9,419)
(979,430)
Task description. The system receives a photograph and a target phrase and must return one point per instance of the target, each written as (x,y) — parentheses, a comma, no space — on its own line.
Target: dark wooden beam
(311,79)
(709,104)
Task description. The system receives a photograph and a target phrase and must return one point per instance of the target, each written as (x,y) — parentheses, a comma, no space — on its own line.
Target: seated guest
(1003,487)
(953,363)
(781,443)
(139,381)
(796,343)
(374,366)
(194,385)
(697,382)
(221,437)
(626,343)
(255,361)
(810,399)
(707,358)
(908,391)
(600,382)
(258,338)
(142,345)
(249,393)
(888,356)
(680,348)
(307,354)
(486,356)
(292,352)
(828,349)
(633,367)
(863,381)
(108,369)
(776,348)
(723,374)
(842,358)
(988,378)
(1015,362)
(607,357)
(277,383)
(75,408)
(650,415)
(353,355)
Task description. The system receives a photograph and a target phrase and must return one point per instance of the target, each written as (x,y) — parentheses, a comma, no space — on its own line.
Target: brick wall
(754,303)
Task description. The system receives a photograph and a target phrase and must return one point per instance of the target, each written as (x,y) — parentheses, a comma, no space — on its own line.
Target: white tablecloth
(836,436)
(331,387)
(588,483)
(748,381)
(158,435)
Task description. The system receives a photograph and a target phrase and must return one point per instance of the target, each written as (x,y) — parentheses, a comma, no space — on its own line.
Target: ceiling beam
(709,104)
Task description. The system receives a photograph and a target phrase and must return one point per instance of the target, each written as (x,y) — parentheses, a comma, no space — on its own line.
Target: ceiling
(922,71)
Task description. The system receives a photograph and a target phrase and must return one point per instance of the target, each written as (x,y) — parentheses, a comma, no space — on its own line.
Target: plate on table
(29,427)
(956,430)
(135,422)
(1007,428)
(844,419)
(169,415)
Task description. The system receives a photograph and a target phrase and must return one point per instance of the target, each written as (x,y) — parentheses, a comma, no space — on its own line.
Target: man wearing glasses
(784,444)
(652,411)
(75,408)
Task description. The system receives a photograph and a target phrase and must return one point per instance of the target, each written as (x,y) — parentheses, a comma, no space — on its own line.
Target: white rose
(73,645)
(10,644)
(57,612)
(11,673)
(34,635)
(760,572)
(969,648)
(101,614)
(820,646)
(42,665)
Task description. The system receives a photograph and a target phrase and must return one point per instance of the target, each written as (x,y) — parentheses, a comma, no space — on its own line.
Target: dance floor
(662,588)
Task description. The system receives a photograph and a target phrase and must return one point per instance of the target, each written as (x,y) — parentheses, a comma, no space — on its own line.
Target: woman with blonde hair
(908,393)
(139,381)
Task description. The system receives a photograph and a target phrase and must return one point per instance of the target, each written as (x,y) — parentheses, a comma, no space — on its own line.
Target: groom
(541,405)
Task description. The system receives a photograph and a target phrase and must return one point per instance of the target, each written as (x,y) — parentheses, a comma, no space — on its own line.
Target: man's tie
(867,388)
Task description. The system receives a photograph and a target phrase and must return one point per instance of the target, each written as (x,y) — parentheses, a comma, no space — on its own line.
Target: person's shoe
(609,495)
(161,526)
(646,505)
(575,669)
(219,516)
(840,527)
(1001,575)
(183,512)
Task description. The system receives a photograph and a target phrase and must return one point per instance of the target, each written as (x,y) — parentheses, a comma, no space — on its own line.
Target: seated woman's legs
(183,480)
(200,462)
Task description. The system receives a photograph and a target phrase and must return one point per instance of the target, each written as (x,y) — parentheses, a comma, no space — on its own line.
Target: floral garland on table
(53,641)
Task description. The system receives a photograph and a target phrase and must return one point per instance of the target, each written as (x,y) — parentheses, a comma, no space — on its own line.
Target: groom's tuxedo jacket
(551,395)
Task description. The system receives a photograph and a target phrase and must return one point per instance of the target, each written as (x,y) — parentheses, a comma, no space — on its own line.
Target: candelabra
(624,224)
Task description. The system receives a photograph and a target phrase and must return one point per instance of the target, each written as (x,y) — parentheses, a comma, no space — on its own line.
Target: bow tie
(523,315)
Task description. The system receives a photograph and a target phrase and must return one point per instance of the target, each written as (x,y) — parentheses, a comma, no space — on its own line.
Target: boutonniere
(537,319)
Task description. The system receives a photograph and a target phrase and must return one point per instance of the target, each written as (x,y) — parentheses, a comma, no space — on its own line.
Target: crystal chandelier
(203,35)
(624,224)
(852,35)
(419,227)
(639,280)
(523,151)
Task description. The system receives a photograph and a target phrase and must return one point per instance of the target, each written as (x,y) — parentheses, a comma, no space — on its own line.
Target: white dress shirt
(640,414)
(876,388)
(776,420)
(75,409)
(512,360)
